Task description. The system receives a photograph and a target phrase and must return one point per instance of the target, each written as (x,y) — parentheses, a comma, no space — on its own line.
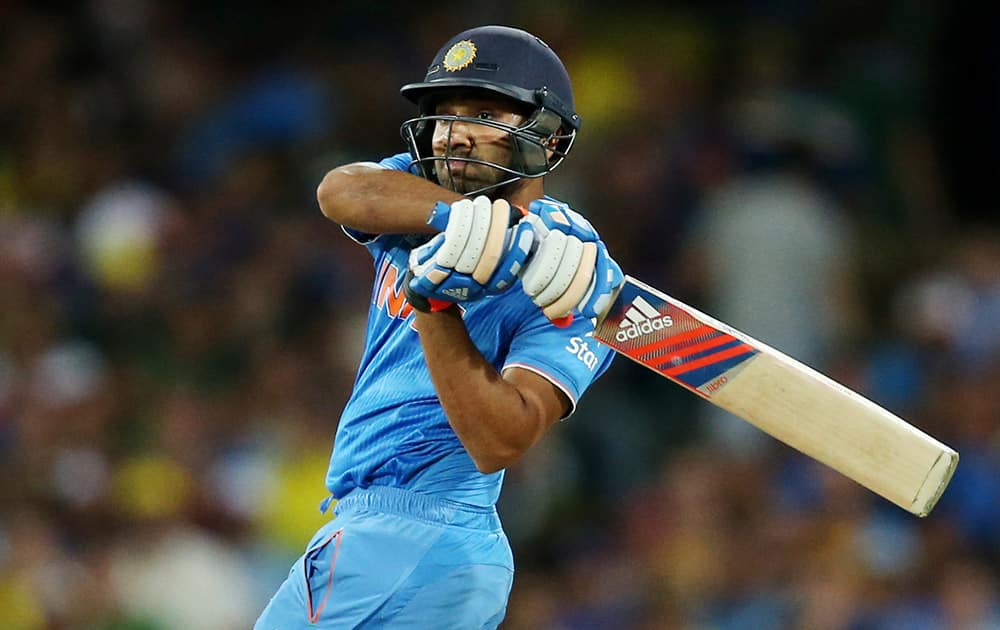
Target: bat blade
(780,395)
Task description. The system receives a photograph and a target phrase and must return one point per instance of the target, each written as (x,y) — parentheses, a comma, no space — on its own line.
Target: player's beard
(468,178)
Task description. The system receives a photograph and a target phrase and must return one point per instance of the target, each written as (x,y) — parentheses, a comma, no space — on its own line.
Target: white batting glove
(474,235)
(570,269)
(474,254)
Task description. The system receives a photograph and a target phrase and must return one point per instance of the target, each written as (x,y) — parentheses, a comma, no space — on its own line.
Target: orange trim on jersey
(336,536)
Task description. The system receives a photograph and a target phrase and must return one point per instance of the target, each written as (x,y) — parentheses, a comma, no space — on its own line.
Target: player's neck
(523,191)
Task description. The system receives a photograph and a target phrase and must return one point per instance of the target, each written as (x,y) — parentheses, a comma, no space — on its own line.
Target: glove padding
(476,254)
(474,235)
(570,268)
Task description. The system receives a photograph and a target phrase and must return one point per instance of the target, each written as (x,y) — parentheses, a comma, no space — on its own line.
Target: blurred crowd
(180,327)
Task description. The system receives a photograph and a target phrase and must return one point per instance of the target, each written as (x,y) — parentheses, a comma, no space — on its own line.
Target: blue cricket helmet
(509,62)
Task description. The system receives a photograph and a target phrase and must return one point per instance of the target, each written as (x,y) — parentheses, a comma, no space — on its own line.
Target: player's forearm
(494,421)
(379,201)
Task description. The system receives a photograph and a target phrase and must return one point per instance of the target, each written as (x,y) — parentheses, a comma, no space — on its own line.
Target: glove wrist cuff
(422,303)
(437,306)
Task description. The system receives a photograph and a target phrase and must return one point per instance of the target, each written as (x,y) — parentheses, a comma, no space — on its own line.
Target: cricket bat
(778,394)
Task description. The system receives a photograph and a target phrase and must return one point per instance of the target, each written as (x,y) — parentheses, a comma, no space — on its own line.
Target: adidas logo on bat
(459,293)
(641,319)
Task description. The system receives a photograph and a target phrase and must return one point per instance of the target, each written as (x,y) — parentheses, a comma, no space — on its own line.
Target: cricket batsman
(478,340)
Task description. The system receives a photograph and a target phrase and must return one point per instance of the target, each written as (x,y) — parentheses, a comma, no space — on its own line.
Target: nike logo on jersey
(641,319)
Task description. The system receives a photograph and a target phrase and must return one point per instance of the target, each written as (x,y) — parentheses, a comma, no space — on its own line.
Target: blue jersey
(393,431)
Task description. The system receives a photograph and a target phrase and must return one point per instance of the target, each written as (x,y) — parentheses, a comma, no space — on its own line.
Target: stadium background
(179,326)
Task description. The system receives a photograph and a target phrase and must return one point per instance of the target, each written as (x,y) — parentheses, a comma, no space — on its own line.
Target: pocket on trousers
(319,564)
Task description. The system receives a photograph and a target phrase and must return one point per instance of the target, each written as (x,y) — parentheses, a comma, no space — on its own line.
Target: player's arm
(376,200)
(497,418)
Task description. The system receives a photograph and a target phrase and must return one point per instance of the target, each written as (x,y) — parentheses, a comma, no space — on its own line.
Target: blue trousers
(397,559)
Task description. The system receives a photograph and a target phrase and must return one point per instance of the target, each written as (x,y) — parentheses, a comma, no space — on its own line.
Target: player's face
(471,140)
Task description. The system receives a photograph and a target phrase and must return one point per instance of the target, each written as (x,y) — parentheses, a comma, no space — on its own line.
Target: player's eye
(485,115)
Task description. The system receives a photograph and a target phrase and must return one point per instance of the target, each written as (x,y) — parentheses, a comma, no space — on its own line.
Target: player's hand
(430,286)
(476,253)
(570,269)
(474,235)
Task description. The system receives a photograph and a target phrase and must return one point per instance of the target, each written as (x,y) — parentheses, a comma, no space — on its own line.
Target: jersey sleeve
(399,162)
(570,358)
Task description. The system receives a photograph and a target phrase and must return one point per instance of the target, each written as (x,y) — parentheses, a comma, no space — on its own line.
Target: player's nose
(453,133)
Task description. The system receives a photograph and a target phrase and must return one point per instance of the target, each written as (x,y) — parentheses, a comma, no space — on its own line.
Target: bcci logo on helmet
(459,56)
(641,319)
